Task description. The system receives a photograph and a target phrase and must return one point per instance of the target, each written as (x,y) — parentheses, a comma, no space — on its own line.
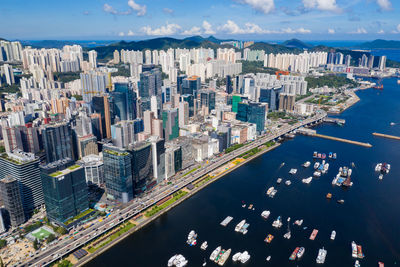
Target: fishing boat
(333,235)
(300,253)
(224,257)
(294,254)
(191,239)
(269,238)
(313,234)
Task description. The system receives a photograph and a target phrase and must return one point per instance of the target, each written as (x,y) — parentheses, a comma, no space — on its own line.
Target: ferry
(306,164)
(316,165)
(265,214)
(240,225)
(307,180)
(300,253)
(204,246)
(277,223)
(293,171)
(294,254)
(215,253)
(288,182)
(333,235)
(244,257)
(321,256)
(269,238)
(224,257)
(313,234)
(279,181)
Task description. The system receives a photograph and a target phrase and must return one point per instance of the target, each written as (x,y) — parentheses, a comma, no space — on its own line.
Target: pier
(386,136)
(334,120)
(343,140)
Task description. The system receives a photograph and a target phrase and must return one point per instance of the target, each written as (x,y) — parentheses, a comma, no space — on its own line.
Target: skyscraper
(207,99)
(170,119)
(252,112)
(93,58)
(57,141)
(10,195)
(65,191)
(179,83)
(158,155)
(229,87)
(124,100)
(93,84)
(142,165)
(382,63)
(191,85)
(101,105)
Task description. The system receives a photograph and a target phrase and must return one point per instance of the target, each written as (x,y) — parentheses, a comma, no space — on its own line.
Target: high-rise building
(93,58)
(382,63)
(179,83)
(252,112)
(58,141)
(94,169)
(170,119)
(93,84)
(236,99)
(229,87)
(371,61)
(207,99)
(10,195)
(118,173)
(65,191)
(24,167)
(101,105)
(190,100)
(8,73)
(191,85)
(158,155)
(142,165)
(116,57)
(183,113)
(87,145)
(124,101)
(287,101)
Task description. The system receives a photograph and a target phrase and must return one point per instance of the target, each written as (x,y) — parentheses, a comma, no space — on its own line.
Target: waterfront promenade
(137,206)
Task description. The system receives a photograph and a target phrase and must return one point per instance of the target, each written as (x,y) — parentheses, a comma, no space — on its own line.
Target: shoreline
(102,250)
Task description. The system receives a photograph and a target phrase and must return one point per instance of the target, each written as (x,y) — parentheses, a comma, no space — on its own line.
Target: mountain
(380,44)
(211,38)
(296,43)
(274,48)
(47,43)
(2,39)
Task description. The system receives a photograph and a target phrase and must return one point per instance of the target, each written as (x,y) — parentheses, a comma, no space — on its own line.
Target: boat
(306,164)
(268,258)
(205,262)
(250,206)
(335,180)
(171,261)
(288,182)
(215,253)
(288,235)
(381,264)
(307,180)
(354,249)
(298,222)
(313,234)
(226,221)
(244,257)
(288,219)
(293,171)
(319,155)
(191,239)
(329,196)
(315,154)
(177,260)
(317,174)
(330,155)
(269,238)
(392,123)
(385,168)
(204,245)
(340,201)
(265,214)
(334,156)
(323,156)
(273,193)
(360,254)
(357,264)
(244,228)
(378,167)
(277,223)
(269,191)
(333,235)
(380,176)
(326,167)
(294,254)
(279,181)
(300,253)
(282,164)
(321,256)
(224,257)
(316,165)
(236,256)
(240,225)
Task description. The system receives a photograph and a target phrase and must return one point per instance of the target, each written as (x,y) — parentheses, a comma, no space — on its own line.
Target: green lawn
(41,234)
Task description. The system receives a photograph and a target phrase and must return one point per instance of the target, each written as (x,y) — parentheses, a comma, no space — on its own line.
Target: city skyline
(239,19)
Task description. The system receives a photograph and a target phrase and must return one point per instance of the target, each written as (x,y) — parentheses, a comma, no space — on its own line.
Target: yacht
(293,171)
(279,181)
(321,255)
(381,176)
(288,182)
(277,223)
(236,256)
(244,257)
(215,253)
(316,165)
(240,225)
(307,180)
(268,258)
(300,252)
(333,235)
(204,245)
(306,164)
(265,214)
(357,264)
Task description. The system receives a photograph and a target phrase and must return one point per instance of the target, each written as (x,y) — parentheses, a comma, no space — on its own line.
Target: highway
(64,247)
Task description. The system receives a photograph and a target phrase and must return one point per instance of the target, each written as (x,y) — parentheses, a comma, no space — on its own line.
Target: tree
(50,238)
(61,230)
(3,243)
(36,244)
(65,263)
(1,262)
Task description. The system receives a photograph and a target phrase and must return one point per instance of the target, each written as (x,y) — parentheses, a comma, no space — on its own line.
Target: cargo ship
(269,238)
(313,234)
(294,254)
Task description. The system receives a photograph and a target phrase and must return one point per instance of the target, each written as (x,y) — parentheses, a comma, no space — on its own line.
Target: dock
(386,136)
(334,120)
(343,140)
(226,221)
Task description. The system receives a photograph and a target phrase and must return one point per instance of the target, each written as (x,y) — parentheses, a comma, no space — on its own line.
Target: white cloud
(230,27)
(207,28)
(168,11)
(130,33)
(331,31)
(263,6)
(324,5)
(122,34)
(360,31)
(193,31)
(169,29)
(140,10)
(381,32)
(299,30)
(384,4)
(109,9)
(397,29)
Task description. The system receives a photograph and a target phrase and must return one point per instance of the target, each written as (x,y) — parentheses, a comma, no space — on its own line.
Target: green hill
(380,44)
(296,43)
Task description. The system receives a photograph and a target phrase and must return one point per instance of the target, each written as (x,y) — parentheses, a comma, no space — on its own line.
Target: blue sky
(239,19)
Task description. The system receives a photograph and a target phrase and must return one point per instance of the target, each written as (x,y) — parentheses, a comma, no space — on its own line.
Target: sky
(236,19)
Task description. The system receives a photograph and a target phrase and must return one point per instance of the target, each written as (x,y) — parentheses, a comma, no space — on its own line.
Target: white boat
(277,223)
(265,214)
(279,180)
(215,253)
(298,222)
(380,176)
(268,258)
(293,171)
(307,180)
(306,164)
(240,225)
(204,245)
(354,249)
(177,260)
(288,235)
(191,239)
(334,181)
(326,167)
(321,255)
(204,263)
(317,173)
(333,235)
(236,256)
(273,193)
(171,261)
(357,264)
(244,257)
(269,191)
(288,219)
(288,182)
(316,165)
(378,167)
(300,253)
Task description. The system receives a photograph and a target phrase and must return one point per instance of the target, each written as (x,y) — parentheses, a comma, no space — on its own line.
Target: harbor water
(370,214)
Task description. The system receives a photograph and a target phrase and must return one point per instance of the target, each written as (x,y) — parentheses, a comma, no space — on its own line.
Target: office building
(87,145)
(183,113)
(252,112)
(124,101)
(207,99)
(10,195)
(191,85)
(170,119)
(191,103)
(179,83)
(382,63)
(58,141)
(142,165)
(229,86)
(158,155)
(94,169)
(101,105)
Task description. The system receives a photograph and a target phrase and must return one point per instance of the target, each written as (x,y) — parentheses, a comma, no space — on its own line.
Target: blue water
(370,215)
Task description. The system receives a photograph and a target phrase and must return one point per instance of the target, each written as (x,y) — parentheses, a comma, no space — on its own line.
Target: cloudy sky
(241,19)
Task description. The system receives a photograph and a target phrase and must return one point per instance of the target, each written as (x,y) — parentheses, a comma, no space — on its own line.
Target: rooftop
(66,171)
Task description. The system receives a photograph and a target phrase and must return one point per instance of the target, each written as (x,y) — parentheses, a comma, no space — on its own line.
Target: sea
(369,216)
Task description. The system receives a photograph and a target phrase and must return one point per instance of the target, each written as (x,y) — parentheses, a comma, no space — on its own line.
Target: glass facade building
(58,142)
